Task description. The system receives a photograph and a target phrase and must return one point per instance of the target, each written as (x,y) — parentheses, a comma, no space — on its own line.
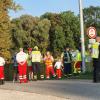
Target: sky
(39,7)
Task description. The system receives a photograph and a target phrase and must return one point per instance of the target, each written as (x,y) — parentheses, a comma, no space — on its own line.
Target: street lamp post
(82,36)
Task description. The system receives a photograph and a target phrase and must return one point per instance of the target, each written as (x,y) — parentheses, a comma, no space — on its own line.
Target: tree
(28,31)
(5,28)
(5,25)
(70,24)
(56,34)
(64,30)
(92,18)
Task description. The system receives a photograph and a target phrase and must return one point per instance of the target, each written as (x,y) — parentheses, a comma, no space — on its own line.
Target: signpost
(82,36)
(91,32)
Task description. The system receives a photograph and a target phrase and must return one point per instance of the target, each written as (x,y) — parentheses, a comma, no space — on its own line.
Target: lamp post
(82,36)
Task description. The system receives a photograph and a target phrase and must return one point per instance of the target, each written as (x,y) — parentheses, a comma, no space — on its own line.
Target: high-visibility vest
(36,56)
(48,62)
(95,51)
(78,57)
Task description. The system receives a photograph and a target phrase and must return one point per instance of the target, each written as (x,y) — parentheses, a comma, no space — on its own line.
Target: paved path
(62,89)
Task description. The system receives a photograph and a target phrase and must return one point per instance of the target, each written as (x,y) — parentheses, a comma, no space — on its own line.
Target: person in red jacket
(48,59)
(21,58)
(2,63)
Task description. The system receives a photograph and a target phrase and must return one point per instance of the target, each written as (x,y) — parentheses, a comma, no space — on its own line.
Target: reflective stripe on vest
(95,51)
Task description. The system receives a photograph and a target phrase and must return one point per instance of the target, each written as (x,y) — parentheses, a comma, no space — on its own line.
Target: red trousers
(1,72)
(58,73)
(49,69)
(22,72)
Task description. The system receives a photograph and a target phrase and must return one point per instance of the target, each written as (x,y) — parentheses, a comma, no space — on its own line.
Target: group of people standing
(30,63)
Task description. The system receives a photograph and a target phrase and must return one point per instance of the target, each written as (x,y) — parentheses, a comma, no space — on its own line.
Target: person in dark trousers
(96,60)
(15,68)
(66,58)
(36,60)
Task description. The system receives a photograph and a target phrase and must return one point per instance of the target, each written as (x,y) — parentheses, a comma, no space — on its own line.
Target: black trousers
(67,68)
(96,70)
(36,68)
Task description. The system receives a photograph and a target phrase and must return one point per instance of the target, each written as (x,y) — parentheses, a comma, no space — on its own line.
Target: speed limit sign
(91,32)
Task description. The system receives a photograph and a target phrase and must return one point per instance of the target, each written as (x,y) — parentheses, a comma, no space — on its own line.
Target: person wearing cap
(2,63)
(21,58)
(29,64)
(95,54)
(66,58)
(36,59)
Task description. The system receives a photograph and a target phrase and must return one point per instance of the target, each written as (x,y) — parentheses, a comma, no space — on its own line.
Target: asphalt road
(67,89)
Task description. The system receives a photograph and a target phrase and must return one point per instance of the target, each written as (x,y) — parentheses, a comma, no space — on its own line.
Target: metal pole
(82,36)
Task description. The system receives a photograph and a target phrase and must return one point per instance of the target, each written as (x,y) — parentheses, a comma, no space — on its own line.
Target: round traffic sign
(91,32)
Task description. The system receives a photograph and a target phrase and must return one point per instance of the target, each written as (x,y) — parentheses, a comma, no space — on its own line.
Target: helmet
(35,48)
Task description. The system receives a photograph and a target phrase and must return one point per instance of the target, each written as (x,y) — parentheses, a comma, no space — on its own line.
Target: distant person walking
(21,58)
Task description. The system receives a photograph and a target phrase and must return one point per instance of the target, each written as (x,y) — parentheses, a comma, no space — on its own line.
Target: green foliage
(64,31)
(5,26)
(28,31)
(92,17)
(5,38)
(70,24)
(50,31)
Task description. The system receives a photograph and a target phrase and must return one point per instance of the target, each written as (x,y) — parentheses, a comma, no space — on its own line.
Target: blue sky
(39,7)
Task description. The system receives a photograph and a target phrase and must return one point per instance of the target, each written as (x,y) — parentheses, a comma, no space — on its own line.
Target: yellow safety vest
(78,57)
(36,56)
(95,51)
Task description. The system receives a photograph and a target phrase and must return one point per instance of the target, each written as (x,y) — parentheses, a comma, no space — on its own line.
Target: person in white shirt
(2,63)
(58,65)
(21,58)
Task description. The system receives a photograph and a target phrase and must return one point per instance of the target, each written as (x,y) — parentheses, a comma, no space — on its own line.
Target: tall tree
(92,17)
(56,34)
(28,31)
(5,39)
(64,30)
(70,24)
(5,25)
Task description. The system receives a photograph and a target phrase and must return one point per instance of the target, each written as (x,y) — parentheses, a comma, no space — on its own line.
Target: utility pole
(82,36)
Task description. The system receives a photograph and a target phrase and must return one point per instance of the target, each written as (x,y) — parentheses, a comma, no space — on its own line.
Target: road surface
(65,89)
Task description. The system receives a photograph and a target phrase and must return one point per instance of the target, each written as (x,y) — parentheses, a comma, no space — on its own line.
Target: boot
(35,77)
(2,82)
